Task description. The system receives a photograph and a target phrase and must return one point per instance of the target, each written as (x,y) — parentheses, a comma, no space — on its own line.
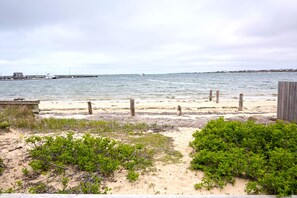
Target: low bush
(264,154)
(92,154)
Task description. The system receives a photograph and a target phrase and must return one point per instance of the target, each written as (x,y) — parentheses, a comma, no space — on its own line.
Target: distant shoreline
(257,71)
(41,77)
(44,77)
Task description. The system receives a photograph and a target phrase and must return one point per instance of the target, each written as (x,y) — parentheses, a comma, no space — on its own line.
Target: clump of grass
(1,166)
(4,125)
(18,117)
(132,176)
(162,146)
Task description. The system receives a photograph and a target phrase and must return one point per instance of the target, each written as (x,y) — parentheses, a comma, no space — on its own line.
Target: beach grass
(95,126)
(18,117)
(22,117)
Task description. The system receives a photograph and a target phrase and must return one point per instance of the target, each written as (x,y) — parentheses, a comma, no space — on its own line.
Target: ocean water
(162,86)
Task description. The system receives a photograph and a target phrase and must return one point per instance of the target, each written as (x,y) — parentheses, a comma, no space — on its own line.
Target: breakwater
(40,77)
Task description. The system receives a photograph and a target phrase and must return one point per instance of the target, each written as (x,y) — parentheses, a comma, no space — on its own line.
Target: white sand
(158,108)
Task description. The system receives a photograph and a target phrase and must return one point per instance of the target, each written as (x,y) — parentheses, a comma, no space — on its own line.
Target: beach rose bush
(92,154)
(264,154)
(98,156)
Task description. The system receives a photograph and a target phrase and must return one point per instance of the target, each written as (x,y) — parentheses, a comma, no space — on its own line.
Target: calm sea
(162,86)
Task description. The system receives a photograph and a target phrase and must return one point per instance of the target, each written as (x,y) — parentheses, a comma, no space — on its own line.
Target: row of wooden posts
(179,109)
(218,97)
(286,107)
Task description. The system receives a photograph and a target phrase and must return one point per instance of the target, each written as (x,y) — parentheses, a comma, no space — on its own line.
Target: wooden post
(179,110)
(217,96)
(90,108)
(240,102)
(210,95)
(132,107)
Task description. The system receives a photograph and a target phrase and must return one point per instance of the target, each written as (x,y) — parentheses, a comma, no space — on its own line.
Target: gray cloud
(91,36)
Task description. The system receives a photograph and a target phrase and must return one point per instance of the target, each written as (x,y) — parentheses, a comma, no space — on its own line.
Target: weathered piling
(217,96)
(240,102)
(210,95)
(132,107)
(287,101)
(179,113)
(90,108)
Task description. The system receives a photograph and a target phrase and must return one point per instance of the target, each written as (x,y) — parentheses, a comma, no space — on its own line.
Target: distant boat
(48,76)
(142,74)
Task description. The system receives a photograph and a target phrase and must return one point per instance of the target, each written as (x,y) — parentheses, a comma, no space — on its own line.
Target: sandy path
(173,179)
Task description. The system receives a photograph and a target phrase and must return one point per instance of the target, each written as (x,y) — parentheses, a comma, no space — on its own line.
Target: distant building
(18,75)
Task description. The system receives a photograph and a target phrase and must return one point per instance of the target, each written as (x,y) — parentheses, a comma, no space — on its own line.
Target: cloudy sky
(146,36)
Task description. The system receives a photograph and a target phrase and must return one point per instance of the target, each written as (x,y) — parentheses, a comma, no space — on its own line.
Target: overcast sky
(146,36)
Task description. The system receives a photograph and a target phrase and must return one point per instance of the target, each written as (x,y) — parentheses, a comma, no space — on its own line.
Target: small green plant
(1,166)
(25,172)
(19,183)
(265,154)
(4,125)
(8,191)
(92,187)
(132,176)
(40,188)
(92,184)
(64,181)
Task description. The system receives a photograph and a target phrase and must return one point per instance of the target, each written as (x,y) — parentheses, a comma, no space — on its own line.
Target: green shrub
(92,154)
(267,155)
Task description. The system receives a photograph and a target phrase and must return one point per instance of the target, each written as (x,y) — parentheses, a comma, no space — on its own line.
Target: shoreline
(161,107)
(194,113)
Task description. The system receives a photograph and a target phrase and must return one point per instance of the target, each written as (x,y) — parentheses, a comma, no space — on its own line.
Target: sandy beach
(174,178)
(191,109)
